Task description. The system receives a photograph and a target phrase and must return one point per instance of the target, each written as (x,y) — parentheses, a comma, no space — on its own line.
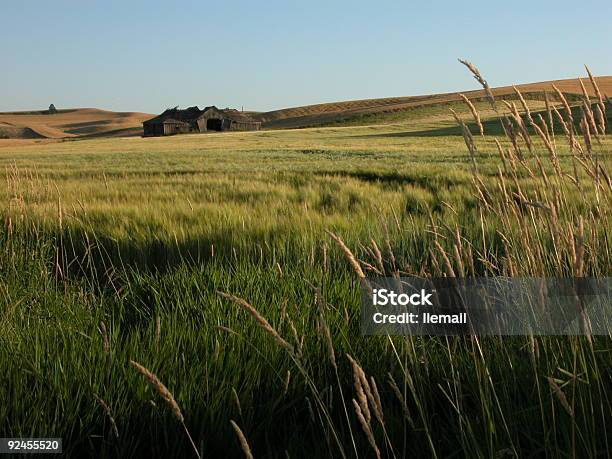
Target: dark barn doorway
(213,124)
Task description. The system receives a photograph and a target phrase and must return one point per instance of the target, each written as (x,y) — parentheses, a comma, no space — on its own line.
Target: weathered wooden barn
(192,119)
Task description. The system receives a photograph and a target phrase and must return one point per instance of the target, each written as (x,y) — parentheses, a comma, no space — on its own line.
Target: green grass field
(140,234)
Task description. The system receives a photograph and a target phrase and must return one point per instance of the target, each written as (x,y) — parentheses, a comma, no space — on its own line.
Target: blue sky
(146,56)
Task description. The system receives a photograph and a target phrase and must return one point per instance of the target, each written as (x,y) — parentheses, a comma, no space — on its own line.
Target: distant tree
(52,109)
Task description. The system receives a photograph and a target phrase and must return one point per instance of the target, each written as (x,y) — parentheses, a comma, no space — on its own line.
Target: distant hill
(80,122)
(320,114)
(92,122)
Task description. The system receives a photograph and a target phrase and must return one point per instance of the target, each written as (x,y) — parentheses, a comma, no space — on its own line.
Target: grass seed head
(160,388)
(244,444)
(261,320)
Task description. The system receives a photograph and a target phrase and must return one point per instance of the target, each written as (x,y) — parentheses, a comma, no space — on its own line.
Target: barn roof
(237,116)
(189,115)
(177,115)
(232,114)
(172,120)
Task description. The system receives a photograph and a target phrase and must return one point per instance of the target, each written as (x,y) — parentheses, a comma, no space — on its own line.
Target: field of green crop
(207,260)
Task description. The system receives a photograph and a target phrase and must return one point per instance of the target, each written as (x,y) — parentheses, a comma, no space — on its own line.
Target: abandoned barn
(192,119)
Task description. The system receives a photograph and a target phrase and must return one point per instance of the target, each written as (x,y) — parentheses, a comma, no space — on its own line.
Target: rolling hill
(320,114)
(91,122)
(72,123)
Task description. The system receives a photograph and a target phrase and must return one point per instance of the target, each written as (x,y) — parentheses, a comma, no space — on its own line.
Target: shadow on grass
(396,179)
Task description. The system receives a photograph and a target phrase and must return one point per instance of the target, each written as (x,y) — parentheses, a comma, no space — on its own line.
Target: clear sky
(149,55)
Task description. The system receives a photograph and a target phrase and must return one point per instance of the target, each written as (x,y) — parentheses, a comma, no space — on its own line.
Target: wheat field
(199,295)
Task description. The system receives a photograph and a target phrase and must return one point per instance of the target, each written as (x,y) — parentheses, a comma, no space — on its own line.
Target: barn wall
(171,126)
(176,128)
(153,129)
(204,117)
(240,126)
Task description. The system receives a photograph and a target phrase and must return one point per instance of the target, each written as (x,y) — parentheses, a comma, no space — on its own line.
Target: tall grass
(218,281)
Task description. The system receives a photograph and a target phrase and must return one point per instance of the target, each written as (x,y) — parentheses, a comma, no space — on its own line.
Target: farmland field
(119,249)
